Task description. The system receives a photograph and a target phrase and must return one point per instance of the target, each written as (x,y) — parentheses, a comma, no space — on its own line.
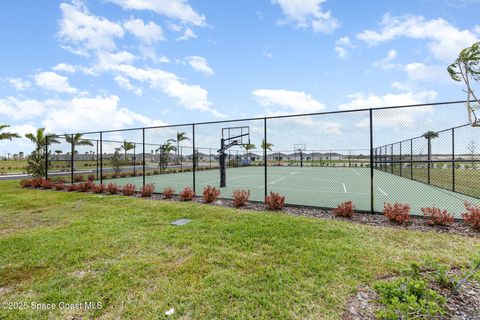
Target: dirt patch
(5,290)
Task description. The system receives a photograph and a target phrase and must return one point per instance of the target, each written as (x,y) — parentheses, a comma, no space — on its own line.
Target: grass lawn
(226,264)
(466,180)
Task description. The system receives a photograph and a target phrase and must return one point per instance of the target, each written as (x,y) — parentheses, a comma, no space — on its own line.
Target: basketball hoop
(232,136)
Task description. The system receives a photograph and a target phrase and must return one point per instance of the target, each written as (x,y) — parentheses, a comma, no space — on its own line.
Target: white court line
(344,188)
(278,180)
(384,193)
(356,171)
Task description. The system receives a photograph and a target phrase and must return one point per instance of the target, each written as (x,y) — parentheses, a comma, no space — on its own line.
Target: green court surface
(317,186)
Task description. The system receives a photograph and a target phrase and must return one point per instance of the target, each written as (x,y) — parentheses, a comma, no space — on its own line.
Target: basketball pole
(223,170)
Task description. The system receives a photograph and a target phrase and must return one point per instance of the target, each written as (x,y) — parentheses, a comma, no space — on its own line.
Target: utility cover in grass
(180,222)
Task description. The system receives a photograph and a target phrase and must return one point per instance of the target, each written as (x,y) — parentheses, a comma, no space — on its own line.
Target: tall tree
(127,146)
(36,160)
(7,135)
(40,139)
(429,135)
(77,140)
(249,147)
(466,69)
(164,151)
(266,145)
(181,136)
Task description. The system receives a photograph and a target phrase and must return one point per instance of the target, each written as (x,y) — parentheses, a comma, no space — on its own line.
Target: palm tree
(77,140)
(181,136)
(127,146)
(266,145)
(249,147)
(7,135)
(429,135)
(21,154)
(41,139)
(164,150)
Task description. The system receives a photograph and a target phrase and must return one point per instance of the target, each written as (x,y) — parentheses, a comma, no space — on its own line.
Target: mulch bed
(463,305)
(416,223)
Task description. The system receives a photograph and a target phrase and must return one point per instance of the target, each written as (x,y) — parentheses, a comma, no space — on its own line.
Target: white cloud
(387,62)
(125,84)
(64,67)
(391,118)
(445,40)
(20,84)
(188,34)
(307,14)
(147,33)
(84,31)
(174,27)
(21,109)
(427,73)
(293,101)
(177,9)
(97,113)
(341,46)
(149,53)
(192,97)
(200,64)
(52,81)
(477,29)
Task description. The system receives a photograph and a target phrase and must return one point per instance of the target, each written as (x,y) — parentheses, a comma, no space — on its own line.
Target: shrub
(156,172)
(346,210)
(112,188)
(37,182)
(275,201)
(409,298)
(99,188)
(78,178)
(147,190)
(123,175)
(472,217)
(59,186)
(61,180)
(27,183)
(128,189)
(240,197)
(91,177)
(82,187)
(47,184)
(104,176)
(210,194)
(399,213)
(168,193)
(187,194)
(435,216)
(72,187)
(89,185)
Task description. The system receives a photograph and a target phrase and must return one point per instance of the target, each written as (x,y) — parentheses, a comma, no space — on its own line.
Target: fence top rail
(279,117)
(420,137)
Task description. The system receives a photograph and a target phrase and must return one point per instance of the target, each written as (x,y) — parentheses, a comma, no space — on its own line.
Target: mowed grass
(226,264)
(466,180)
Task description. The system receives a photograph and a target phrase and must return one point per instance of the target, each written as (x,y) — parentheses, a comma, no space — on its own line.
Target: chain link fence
(422,155)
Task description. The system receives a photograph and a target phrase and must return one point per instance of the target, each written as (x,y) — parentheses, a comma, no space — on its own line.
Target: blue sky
(95,65)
